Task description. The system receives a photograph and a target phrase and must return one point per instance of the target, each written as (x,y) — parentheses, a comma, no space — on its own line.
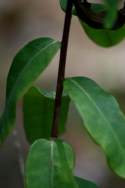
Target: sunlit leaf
(102,118)
(38,107)
(25,69)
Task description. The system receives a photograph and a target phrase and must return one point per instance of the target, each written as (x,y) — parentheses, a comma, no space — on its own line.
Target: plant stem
(61,70)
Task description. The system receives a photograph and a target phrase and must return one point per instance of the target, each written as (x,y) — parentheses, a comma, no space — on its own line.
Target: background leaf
(25,69)
(38,107)
(102,118)
(50,165)
(85,183)
(111,7)
(104,37)
(97,8)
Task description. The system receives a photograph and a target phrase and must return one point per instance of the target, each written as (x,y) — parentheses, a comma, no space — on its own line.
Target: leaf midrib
(25,67)
(109,124)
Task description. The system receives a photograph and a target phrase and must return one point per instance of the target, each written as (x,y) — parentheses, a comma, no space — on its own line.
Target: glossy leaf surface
(102,118)
(38,107)
(50,165)
(25,69)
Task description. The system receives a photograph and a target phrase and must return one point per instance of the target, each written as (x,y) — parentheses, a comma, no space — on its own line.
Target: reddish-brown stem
(61,70)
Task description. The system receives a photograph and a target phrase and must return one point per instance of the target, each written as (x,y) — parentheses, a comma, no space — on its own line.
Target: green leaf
(102,118)
(25,69)
(50,165)
(63,5)
(97,8)
(104,37)
(85,183)
(111,7)
(38,110)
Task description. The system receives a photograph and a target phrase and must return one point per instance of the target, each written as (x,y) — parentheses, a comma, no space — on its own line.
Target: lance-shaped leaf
(50,165)
(102,118)
(85,183)
(25,69)
(38,107)
(104,37)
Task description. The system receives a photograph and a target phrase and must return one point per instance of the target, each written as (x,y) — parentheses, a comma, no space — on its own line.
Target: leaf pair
(50,164)
(103,37)
(100,112)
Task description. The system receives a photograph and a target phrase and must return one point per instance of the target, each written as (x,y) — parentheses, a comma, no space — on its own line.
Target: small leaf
(104,37)
(38,110)
(85,183)
(102,118)
(50,165)
(25,69)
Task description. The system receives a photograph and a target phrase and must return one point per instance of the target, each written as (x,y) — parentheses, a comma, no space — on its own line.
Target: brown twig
(61,71)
